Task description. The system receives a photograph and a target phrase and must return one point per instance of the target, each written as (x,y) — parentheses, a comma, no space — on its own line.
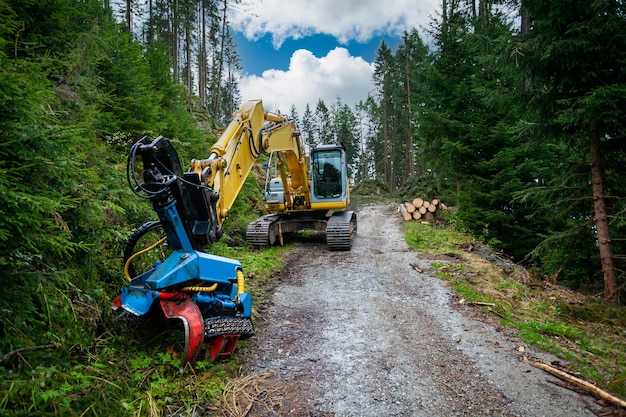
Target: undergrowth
(576,327)
(127,369)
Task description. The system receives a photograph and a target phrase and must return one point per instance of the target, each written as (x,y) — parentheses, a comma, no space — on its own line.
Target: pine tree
(323,127)
(574,54)
(346,129)
(307,127)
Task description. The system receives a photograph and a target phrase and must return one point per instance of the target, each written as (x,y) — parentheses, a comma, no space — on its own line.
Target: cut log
(409,207)
(417,202)
(405,214)
(579,383)
(417,215)
(429,216)
(423,210)
(426,204)
(432,208)
(435,202)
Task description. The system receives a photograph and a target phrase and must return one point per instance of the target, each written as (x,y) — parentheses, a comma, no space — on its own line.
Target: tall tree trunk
(150,33)
(202,57)
(409,157)
(220,64)
(483,11)
(602,223)
(393,127)
(444,16)
(525,27)
(174,31)
(386,145)
(129,16)
(188,72)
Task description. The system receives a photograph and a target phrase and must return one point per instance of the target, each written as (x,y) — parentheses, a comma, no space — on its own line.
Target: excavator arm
(252,132)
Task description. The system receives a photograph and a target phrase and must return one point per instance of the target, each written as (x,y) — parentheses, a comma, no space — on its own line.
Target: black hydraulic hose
(255,149)
(138,187)
(130,168)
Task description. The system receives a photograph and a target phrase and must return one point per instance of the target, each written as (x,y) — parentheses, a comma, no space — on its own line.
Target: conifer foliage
(520,126)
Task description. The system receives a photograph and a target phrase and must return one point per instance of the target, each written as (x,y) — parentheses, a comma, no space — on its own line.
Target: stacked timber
(420,209)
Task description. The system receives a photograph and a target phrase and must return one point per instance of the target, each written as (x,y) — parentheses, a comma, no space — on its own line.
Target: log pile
(420,209)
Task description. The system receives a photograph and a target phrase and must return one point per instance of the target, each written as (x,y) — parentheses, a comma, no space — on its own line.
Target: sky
(296,52)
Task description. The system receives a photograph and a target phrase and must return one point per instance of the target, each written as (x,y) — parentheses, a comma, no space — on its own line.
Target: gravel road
(362,333)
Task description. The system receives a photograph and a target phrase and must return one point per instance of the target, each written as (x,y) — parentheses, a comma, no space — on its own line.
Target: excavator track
(258,232)
(340,230)
(218,326)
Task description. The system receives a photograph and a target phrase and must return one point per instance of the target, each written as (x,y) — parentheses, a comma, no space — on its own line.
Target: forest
(514,115)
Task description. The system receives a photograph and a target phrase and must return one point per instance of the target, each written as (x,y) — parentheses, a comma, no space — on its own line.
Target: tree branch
(8,357)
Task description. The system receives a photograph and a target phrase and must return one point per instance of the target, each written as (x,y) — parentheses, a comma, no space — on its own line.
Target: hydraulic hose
(241,282)
(201,289)
(136,255)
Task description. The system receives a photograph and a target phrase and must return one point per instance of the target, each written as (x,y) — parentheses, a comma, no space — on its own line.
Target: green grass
(577,328)
(435,240)
(258,265)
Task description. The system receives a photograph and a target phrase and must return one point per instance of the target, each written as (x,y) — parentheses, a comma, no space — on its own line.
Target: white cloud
(338,74)
(343,19)
(309,78)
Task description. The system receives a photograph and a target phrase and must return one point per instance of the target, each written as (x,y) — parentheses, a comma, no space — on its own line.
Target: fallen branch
(480,303)
(476,303)
(579,383)
(8,357)
(417,268)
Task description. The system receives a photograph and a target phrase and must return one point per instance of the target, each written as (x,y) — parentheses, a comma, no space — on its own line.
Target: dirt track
(361,333)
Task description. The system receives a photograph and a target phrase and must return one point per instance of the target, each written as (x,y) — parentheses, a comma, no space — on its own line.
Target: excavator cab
(329,174)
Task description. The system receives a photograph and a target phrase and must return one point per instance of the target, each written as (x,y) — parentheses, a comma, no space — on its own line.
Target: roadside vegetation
(579,328)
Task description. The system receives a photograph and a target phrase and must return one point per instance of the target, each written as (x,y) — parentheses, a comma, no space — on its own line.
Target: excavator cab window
(327,176)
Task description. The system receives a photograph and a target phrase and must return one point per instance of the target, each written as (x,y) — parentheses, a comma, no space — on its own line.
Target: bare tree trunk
(129,16)
(150,32)
(220,64)
(525,28)
(409,158)
(483,12)
(602,223)
(444,16)
(202,58)
(188,71)
(174,32)
(393,153)
(386,145)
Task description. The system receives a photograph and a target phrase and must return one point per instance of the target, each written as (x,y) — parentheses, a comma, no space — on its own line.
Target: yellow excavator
(304,197)
(207,292)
